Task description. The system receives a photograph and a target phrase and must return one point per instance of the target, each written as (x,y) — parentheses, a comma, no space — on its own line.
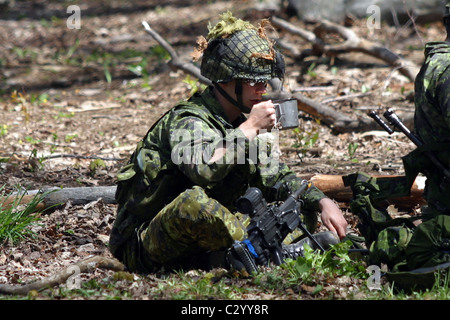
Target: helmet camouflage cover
(237,50)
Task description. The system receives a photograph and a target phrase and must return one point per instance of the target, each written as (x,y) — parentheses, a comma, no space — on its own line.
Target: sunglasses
(253,83)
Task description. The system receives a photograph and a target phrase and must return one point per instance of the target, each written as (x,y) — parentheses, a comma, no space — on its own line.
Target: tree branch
(84,266)
(352,43)
(329,116)
(176,62)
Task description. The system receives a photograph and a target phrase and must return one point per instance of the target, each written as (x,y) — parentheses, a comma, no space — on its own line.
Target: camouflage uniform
(398,242)
(176,209)
(170,212)
(430,244)
(432,121)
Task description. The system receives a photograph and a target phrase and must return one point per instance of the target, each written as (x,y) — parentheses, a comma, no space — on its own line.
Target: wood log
(56,197)
(330,117)
(331,185)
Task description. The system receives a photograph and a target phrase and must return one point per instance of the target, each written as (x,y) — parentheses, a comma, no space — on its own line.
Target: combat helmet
(236,50)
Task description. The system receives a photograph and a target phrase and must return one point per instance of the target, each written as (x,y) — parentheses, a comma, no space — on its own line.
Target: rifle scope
(251,202)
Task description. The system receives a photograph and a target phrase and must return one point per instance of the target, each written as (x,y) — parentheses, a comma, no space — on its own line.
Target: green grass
(333,275)
(16,218)
(315,276)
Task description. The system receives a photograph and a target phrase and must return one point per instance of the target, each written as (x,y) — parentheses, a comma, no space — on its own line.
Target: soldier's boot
(295,250)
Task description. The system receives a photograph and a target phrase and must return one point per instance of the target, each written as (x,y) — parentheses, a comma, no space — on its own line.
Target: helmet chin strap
(238,90)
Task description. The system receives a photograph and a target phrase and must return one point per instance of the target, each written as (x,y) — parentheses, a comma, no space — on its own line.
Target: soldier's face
(252,92)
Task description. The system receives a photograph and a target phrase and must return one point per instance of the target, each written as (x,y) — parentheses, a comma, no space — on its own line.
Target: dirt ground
(72,106)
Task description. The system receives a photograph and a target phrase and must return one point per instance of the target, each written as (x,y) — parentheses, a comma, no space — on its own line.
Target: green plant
(3,130)
(305,139)
(16,218)
(352,150)
(39,99)
(193,84)
(70,137)
(32,140)
(310,72)
(139,69)
(61,115)
(106,71)
(36,162)
(314,266)
(334,70)
(70,52)
(96,164)
(160,53)
(22,53)
(188,286)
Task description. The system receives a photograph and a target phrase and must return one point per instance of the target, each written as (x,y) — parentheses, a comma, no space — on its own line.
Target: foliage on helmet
(235,49)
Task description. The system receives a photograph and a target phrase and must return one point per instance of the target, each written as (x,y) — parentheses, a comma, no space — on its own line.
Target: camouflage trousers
(187,233)
(426,245)
(397,241)
(190,225)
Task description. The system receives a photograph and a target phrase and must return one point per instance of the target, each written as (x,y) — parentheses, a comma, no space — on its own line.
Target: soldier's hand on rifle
(332,217)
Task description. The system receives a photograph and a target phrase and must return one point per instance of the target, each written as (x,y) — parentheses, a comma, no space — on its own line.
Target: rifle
(393,119)
(270,224)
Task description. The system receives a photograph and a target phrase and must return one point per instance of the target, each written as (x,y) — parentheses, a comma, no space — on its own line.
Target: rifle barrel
(380,121)
(393,119)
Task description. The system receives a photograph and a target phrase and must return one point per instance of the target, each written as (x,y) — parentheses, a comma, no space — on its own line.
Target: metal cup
(286,112)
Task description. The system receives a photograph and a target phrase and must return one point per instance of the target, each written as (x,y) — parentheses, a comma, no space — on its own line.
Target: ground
(74,103)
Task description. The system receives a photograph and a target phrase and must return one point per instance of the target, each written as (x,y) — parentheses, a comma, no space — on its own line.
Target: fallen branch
(346,97)
(330,117)
(176,62)
(77,156)
(56,197)
(352,43)
(84,266)
(331,185)
(327,115)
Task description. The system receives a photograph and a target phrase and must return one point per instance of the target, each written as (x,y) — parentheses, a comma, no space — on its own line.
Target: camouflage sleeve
(443,93)
(193,142)
(432,95)
(436,82)
(312,198)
